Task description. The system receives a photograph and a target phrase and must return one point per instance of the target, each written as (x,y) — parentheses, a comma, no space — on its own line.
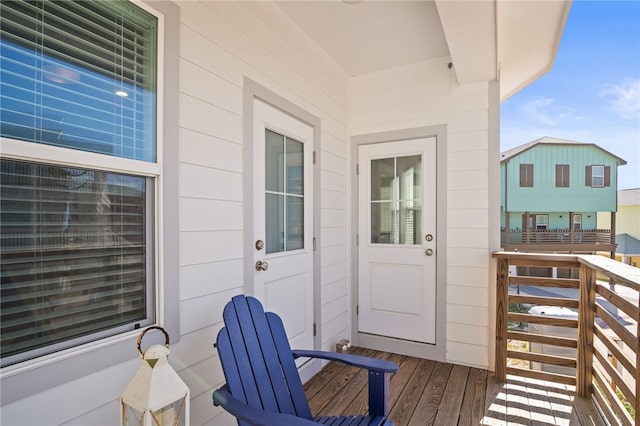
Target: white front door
(397,240)
(283,220)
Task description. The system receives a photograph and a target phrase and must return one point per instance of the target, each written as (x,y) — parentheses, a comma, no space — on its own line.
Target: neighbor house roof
(547,140)
(627,245)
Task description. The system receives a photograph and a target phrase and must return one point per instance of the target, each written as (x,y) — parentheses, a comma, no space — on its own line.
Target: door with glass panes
(282,220)
(397,240)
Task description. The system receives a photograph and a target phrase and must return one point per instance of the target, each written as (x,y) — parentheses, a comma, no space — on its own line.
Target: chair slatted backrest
(257,360)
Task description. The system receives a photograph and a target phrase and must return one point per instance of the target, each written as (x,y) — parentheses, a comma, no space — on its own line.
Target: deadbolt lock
(428,237)
(259,245)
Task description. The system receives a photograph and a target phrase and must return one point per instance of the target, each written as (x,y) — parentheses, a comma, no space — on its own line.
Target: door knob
(261,265)
(428,252)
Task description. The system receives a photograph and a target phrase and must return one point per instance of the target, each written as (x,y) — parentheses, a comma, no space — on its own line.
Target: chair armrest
(379,375)
(371,364)
(254,416)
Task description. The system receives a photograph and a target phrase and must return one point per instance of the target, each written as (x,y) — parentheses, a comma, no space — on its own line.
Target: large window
(80,75)
(78,214)
(562,175)
(526,175)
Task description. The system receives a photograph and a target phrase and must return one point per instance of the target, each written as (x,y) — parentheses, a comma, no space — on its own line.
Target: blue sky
(592,93)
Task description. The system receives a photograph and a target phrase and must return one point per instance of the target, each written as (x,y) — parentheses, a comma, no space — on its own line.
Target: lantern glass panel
(172,414)
(131,416)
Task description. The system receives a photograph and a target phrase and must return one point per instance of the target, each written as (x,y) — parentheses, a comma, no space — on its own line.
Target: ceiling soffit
(514,41)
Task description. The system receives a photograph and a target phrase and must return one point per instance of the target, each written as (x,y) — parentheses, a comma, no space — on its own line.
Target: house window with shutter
(598,176)
(79,173)
(526,175)
(562,175)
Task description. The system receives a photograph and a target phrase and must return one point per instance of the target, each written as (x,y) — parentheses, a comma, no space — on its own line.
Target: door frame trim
(252,91)
(423,350)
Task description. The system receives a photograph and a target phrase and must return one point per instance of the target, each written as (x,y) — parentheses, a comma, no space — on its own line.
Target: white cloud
(624,98)
(544,111)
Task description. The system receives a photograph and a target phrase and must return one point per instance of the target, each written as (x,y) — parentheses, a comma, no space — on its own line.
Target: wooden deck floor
(425,392)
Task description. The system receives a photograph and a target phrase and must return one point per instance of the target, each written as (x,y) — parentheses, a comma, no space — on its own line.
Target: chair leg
(378,393)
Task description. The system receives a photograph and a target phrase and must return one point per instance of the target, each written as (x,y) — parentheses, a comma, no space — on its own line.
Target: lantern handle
(154,327)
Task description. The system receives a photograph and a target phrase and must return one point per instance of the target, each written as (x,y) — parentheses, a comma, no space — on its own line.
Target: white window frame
(39,374)
(542,221)
(577,222)
(595,176)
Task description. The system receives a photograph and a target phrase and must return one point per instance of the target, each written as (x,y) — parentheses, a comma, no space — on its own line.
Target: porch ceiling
(371,35)
(516,40)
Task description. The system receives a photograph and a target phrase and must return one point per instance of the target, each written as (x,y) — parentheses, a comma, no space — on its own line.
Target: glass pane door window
(396,203)
(284,193)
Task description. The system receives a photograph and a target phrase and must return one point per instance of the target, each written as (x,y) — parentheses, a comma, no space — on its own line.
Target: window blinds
(73,244)
(80,75)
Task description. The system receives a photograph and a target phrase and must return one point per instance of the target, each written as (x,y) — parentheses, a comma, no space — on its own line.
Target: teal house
(551,191)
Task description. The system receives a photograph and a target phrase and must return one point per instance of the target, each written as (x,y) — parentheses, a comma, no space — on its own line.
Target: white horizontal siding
(200,214)
(221,44)
(334,218)
(427,94)
(468,354)
(45,408)
(204,117)
(196,279)
(204,150)
(467,334)
(227,95)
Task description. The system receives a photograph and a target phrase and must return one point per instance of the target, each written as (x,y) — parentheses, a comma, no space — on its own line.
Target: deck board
(427,408)
(472,410)
(425,392)
(453,395)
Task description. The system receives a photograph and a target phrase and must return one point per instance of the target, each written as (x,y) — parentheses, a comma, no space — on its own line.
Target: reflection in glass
(382,175)
(382,221)
(274,216)
(274,170)
(295,222)
(71,80)
(295,177)
(396,205)
(284,206)
(74,247)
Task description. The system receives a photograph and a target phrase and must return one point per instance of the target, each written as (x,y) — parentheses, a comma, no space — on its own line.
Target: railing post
(586,317)
(502,310)
(612,236)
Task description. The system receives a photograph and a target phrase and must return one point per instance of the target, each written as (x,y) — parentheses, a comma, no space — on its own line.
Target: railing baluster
(586,309)
(502,311)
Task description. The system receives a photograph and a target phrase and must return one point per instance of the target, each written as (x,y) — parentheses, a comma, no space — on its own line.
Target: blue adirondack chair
(263,386)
